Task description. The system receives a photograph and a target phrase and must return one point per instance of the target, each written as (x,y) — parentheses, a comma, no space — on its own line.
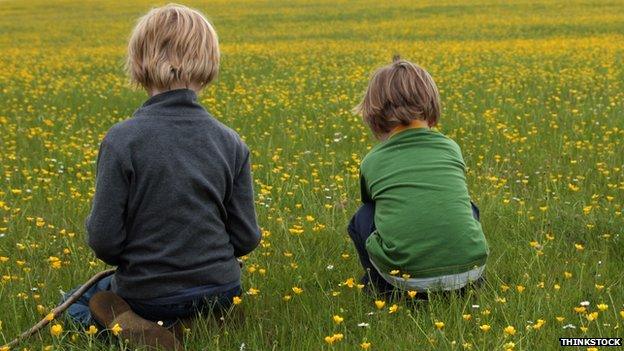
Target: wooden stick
(58,310)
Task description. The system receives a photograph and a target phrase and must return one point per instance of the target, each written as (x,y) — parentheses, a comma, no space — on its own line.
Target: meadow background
(533,92)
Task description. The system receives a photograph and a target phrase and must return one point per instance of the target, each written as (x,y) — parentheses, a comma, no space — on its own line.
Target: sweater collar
(172,102)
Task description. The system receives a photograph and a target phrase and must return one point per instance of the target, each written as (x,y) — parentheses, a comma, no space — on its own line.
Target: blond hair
(170,46)
(397,94)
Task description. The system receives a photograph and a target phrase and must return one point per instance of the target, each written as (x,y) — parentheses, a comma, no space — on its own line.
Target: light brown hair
(397,94)
(170,46)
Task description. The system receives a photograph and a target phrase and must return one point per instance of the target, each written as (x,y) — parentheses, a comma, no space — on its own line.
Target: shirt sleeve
(105,224)
(241,222)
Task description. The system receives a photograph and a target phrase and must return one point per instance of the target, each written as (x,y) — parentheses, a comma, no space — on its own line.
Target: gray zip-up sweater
(173,204)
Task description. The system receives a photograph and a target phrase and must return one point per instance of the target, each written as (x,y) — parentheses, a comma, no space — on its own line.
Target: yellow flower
(520,288)
(337,319)
(467,317)
(394,272)
(567,275)
(56,330)
(592,349)
(580,309)
(92,330)
(411,294)
(510,330)
(365,345)
(584,329)
(394,308)
(599,287)
(297,290)
(50,316)
(253,291)
(579,247)
(349,282)
(380,304)
(116,329)
(485,328)
(622,313)
(592,316)
(286,298)
(509,346)
(439,325)
(560,319)
(539,324)
(330,340)
(236,300)
(603,307)
(338,336)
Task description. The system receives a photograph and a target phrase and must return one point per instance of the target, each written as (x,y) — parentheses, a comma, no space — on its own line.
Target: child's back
(417,228)
(424,220)
(174,205)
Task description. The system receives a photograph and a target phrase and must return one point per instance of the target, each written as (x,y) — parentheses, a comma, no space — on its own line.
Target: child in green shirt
(417,228)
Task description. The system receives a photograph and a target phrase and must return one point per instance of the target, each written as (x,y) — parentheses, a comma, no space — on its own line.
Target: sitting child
(417,228)
(173,205)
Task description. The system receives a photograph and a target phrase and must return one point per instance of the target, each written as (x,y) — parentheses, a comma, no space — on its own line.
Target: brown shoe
(109,309)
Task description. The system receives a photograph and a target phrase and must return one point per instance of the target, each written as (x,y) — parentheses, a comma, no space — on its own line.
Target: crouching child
(417,229)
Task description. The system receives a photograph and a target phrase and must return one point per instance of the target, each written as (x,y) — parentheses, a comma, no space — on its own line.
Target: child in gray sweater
(173,206)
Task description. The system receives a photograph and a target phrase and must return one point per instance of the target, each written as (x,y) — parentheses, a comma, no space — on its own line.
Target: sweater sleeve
(105,224)
(241,221)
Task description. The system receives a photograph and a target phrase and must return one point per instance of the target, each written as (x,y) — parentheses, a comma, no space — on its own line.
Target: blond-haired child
(173,205)
(417,228)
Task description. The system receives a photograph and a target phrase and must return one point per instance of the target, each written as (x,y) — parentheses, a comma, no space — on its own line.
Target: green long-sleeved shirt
(425,226)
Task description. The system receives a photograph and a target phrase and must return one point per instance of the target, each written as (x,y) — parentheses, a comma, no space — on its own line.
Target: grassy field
(532,92)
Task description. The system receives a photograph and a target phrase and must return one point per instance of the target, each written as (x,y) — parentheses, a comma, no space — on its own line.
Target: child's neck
(415,123)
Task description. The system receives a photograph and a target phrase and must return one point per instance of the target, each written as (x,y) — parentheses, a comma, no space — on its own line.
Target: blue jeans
(361,226)
(167,313)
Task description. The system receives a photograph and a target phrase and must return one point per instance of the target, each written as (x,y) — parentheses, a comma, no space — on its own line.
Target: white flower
(475,306)
(569,326)
(160,323)
(585,303)
(242,347)
(363,325)
(330,267)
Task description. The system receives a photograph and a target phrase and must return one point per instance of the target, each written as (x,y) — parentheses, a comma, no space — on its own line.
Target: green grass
(532,92)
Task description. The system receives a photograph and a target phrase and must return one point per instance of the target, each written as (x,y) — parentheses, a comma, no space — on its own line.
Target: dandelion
(365,345)
(485,328)
(520,288)
(236,300)
(510,330)
(297,290)
(380,304)
(439,325)
(253,291)
(56,330)
(337,319)
(116,329)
